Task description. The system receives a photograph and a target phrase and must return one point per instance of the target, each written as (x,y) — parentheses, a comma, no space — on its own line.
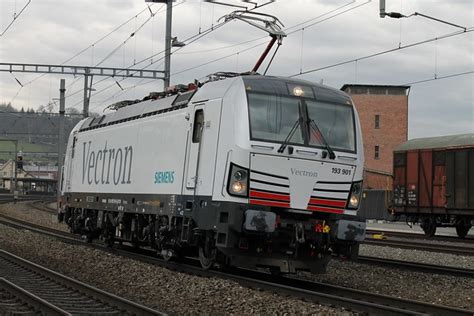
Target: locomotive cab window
(198,125)
(74,140)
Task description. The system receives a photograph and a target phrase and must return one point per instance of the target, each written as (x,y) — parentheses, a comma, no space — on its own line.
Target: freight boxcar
(434,182)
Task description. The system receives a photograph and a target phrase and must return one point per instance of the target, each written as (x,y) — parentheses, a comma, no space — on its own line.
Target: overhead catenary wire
(470,29)
(214,27)
(292,32)
(130,36)
(263,37)
(135,63)
(15,17)
(438,78)
(94,44)
(188,41)
(84,50)
(302,72)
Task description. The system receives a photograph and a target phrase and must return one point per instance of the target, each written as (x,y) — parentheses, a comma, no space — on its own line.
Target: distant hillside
(37,134)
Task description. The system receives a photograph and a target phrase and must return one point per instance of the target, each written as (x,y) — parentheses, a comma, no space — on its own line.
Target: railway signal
(19,161)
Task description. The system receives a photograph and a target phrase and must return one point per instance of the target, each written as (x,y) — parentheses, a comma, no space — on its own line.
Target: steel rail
(417,266)
(318,292)
(22,297)
(8,198)
(390,263)
(389,233)
(39,205)
(66,293)
(409,244)
(20,224)
(314,291)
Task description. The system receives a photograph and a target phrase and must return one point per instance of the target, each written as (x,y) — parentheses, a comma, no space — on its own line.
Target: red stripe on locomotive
(269,196)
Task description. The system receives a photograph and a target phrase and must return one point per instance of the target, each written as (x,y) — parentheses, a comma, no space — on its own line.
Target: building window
(377,121)
(377,152)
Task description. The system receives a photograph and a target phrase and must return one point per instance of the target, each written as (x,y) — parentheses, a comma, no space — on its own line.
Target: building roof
(33,168)
(449,141)
(348,85)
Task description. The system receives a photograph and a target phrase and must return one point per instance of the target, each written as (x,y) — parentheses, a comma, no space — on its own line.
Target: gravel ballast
(168,291)
(25,212)
(445,259)
(160,287)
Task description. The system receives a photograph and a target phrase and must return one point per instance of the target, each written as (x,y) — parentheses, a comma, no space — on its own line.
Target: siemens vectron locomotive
(244,170)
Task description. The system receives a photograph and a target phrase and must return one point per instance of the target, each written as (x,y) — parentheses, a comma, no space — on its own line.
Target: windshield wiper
(289,136)
(312,124)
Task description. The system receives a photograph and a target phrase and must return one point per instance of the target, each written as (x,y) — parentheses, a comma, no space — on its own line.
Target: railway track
(400,241)
(418,267)
(318,292)
(15,300)
(410,235)
(41,206)
(424,246)
(391,263)
(322,293)
(51,293)
(9,198)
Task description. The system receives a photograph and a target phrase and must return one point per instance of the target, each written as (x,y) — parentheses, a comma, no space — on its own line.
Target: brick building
(383,113)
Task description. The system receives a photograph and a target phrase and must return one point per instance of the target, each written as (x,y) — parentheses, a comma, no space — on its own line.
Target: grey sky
(52,31)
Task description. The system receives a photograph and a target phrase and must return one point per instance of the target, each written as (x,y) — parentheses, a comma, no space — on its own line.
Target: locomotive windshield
(275,107)
(272,117)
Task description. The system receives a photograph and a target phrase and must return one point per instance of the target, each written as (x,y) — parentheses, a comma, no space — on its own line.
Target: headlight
(238,181)
(238,187)
(298,91)
(354,201)
(354,198)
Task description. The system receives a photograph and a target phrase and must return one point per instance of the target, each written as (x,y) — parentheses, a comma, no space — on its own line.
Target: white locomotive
(246,170)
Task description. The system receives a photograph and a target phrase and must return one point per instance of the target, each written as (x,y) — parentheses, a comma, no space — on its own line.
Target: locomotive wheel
(462,229)
(108,237)
(109,242)
(207,257)
(275,271)
(429,226)
(167,254)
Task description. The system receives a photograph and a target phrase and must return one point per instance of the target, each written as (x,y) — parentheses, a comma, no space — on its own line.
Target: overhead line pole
(85,109)
(169,23)
(62,110)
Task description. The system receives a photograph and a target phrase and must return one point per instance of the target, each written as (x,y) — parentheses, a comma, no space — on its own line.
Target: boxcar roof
(461,140)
